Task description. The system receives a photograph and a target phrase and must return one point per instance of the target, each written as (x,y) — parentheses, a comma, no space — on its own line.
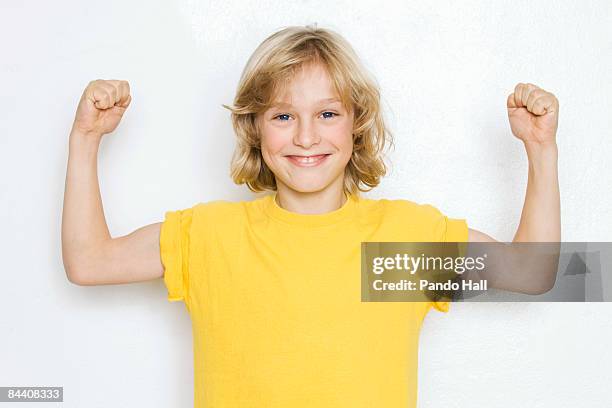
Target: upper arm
(478,236)
(130,258)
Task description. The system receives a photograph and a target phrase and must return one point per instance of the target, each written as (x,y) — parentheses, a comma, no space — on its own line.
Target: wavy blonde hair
(268,71)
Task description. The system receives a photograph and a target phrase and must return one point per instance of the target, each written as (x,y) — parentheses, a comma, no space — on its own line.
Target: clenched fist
(533,114)
(101,107)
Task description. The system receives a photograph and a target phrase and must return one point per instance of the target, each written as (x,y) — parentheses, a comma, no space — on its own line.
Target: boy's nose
(306,135)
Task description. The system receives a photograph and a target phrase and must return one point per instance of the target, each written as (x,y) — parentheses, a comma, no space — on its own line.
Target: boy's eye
(283,117)
(333,114)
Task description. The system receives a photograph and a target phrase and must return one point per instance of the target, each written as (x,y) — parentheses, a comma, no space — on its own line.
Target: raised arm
(90,255)
(533,114)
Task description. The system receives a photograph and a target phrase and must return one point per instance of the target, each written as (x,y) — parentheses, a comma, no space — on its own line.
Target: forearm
(541,215)
(84,229)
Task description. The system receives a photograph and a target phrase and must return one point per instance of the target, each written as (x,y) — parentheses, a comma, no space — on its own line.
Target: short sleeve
(174,252)
(456,230)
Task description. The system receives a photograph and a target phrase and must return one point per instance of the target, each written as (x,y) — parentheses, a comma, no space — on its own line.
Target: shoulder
(397,207)
(228,211)
(216,207)
(412,220)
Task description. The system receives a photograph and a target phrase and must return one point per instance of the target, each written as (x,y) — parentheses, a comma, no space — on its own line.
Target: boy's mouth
(307,161)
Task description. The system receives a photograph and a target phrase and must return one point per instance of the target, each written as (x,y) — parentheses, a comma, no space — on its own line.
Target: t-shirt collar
(309,220)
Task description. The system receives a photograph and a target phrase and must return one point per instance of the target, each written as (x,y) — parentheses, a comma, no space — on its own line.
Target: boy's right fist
(101,107)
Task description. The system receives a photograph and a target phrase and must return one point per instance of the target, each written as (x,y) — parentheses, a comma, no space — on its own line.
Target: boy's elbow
(70,265)
(74,275)
(77,271)
(80,266)
(545,287)
(537,287)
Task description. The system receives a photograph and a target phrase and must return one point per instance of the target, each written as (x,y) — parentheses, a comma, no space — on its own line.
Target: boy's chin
(306,187)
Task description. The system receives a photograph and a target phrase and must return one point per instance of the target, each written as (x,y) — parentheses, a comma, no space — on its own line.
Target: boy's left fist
(533,114)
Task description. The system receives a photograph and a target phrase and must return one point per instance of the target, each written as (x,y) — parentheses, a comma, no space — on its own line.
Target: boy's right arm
(90,255)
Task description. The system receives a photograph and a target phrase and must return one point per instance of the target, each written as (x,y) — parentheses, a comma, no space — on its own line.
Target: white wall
(445,69)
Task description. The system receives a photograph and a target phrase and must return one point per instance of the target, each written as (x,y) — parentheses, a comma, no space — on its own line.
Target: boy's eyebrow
(321,101)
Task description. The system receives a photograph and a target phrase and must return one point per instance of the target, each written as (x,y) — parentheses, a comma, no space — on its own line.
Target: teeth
(308,159)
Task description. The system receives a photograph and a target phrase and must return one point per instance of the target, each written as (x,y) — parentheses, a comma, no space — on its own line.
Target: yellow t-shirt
(275,302)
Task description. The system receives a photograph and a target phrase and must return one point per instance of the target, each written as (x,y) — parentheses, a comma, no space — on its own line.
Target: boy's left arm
(534,115)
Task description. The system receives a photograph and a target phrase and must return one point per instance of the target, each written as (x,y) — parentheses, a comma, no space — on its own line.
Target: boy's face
(306,140)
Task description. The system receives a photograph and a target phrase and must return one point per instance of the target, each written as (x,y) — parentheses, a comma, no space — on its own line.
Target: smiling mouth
(307,160)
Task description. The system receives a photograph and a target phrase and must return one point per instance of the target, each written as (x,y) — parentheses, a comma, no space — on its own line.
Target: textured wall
(445,69)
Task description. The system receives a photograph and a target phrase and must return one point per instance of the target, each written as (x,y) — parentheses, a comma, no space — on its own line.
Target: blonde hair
(269,69)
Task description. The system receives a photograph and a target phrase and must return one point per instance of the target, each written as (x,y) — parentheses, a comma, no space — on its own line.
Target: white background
(445,70)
